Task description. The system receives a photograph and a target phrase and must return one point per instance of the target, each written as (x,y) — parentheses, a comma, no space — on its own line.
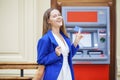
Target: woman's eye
(54,16)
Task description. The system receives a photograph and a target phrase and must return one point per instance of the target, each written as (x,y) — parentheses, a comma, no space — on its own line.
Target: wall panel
(17,30)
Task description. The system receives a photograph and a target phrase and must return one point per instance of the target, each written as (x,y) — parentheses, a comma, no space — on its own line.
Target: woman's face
(55,18)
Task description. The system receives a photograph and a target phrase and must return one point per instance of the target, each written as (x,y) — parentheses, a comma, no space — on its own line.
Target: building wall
(20,29)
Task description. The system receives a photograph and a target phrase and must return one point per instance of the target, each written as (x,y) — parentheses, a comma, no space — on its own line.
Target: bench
(17,65)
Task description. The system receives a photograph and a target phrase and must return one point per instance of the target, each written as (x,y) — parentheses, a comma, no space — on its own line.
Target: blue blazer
(47,56)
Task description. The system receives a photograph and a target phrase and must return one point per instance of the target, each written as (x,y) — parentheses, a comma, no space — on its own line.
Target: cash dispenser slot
(78,55)
(94,52)
(80,52)
(97,55)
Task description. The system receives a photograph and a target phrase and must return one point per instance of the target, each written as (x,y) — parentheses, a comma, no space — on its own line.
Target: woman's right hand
(58,50)
(39,73)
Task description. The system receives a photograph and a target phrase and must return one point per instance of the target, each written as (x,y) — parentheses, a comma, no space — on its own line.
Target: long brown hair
(47,26)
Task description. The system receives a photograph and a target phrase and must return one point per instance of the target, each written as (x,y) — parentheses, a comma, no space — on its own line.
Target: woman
(55,50)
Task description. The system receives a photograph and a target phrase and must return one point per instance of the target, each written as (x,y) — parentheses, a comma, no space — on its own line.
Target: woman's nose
(60,17)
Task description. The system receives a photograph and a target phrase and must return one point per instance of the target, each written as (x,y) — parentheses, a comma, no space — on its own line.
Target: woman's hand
(39,73)
(58,50)
(77,39)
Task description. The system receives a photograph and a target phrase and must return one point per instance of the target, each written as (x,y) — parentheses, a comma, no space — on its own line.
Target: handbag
(39,73)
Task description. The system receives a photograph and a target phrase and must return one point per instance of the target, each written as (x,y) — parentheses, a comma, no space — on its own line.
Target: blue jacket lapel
(54,41)
(52,38)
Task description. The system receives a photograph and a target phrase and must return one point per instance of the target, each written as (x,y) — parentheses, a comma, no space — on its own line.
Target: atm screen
(86,41)
(82,16)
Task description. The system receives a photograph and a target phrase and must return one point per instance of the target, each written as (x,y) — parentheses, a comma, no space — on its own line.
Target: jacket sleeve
(74,49)
(44,56)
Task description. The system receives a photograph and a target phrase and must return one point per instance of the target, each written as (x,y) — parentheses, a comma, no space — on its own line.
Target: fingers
(58,50)
(79,30)
(58,47)
(79,36)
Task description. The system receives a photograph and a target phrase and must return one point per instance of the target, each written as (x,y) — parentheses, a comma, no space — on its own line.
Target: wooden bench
(17,65)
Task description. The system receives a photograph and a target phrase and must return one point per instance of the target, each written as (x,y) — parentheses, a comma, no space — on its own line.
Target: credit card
(77,29)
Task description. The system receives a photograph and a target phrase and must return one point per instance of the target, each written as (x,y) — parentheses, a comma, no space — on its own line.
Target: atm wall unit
(94,23)
(96,58)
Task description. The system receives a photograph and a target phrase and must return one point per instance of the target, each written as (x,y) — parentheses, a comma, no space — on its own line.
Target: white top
(65,73)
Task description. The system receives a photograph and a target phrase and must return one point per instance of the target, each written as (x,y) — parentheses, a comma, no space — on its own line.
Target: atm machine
(93,55)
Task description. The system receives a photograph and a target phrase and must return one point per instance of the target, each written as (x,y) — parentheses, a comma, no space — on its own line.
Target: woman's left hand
(77,38)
